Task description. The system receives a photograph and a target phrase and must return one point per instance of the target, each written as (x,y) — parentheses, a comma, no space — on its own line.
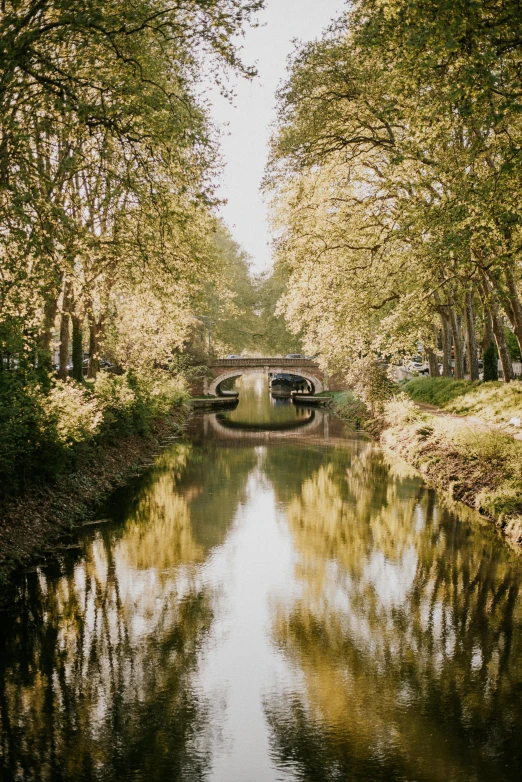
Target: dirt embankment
(32,524)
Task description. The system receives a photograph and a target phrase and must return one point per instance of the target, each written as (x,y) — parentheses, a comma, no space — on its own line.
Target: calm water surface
(268,603)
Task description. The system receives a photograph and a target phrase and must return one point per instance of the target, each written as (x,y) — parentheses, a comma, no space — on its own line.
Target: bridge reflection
(218,423)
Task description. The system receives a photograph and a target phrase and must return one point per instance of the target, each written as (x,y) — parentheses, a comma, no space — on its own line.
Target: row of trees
(395,175)
(108,238)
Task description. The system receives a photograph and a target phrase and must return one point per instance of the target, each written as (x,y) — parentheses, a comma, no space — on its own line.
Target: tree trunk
(45,359)
(65,330)
(457,344)
(77,348)
(516,307)
(432,362)
(488,336)
(498,331)
(446,344)
(472,337)
(502,347)
(95,337)
(64,346)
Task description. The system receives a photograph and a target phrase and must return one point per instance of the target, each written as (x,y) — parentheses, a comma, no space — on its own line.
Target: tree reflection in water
(99,655)
(403,633)
(385,644)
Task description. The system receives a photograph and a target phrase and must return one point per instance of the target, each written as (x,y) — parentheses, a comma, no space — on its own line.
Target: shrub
(350,409)
(490,363)
(401,411)
(76,413)
(30,447)
(43,424)
(370,381)
(118,401)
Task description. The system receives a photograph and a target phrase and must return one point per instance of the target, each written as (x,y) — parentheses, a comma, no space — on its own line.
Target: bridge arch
(216,382)
(226,374)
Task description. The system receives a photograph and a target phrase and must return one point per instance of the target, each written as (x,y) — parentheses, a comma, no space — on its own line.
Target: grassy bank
(472,461)
(66,446)
(347,406)
(493,402)
(475,465)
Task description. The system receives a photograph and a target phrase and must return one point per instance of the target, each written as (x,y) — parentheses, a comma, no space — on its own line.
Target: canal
(275,599)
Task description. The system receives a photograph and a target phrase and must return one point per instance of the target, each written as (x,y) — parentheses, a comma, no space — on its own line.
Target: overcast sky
(245,140)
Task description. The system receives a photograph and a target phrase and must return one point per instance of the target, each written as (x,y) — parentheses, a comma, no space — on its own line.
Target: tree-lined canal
(268,604)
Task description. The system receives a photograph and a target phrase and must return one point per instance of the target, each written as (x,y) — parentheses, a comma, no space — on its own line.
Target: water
(268,604)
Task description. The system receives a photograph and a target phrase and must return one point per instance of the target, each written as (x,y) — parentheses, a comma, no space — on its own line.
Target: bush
(369,379)
(75,413)
(44,424)
(490,363)
(30,446)
(349,408)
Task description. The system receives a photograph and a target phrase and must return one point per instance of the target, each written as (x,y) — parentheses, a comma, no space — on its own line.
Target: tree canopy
(395,175)
(108,165)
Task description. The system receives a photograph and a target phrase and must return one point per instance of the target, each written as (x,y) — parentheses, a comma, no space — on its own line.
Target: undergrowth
(46,424)
(352,410)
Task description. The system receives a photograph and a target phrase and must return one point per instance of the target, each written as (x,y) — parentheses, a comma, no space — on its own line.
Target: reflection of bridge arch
(226,369)
(313,424)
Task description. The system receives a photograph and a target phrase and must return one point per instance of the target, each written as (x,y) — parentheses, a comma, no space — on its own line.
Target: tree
(395,177)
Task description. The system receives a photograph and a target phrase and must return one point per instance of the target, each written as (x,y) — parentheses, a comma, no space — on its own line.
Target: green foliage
(512,343)
(42,432)
(490,363)
(276,336)
(230,308)
(107,170)
(346,405)
(30,448)
(370,381)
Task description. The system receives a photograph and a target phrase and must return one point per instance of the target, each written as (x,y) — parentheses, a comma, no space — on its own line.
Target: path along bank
(469,448)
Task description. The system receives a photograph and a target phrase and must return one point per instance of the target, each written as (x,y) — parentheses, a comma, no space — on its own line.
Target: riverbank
(32,523)
(473,461)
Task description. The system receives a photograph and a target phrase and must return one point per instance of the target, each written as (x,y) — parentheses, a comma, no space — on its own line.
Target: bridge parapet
(224,363)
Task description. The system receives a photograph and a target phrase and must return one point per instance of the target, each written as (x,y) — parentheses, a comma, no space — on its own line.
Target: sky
(245,124)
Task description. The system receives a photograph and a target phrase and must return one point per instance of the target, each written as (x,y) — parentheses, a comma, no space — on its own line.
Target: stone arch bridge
(226,368)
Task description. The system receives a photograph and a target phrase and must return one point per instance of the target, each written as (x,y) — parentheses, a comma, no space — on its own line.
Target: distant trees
(395,173)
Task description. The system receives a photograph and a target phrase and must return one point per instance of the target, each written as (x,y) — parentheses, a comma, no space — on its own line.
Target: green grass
(493,402)
(437,390)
